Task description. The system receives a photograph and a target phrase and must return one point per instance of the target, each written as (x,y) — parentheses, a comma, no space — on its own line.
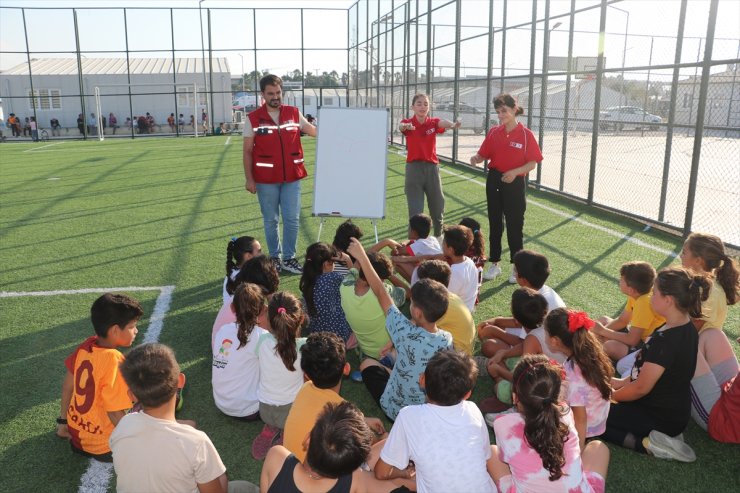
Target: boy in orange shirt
(94,394)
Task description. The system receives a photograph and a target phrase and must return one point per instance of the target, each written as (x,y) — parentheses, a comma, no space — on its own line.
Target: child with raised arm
(94,396)
(537,447)
(636,282)
(588,370)
(422,165)
(235,372)
(415,340)
(653,403)
(445,438)
(151,450)
(281,376)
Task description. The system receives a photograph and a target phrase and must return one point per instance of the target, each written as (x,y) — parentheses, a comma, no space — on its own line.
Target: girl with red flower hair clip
(588,370)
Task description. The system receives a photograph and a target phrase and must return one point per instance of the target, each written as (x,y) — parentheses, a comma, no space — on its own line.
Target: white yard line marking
(227,141)
(571,217)
(47,145)
(98,475)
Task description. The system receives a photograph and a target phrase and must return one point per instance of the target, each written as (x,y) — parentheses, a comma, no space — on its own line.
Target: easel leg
(321,226)
(375,226)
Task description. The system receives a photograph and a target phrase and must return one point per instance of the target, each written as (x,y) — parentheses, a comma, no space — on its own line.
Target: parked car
(470,116)
(620,117)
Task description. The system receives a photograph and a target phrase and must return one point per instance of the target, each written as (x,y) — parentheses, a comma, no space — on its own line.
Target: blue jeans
(276,199)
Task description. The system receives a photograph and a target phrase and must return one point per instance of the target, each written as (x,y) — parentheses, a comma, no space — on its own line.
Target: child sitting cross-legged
(464,278)
(457,320)
(420,243)
(94,396)
(537,447)
(588,370)
(238,251)
(445,439)
(416,340)
(323,363)
(151,450)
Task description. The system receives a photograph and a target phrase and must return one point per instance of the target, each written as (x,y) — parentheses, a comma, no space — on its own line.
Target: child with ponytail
(716,363)
(236,373)
(320,287)
(653,404)
(238,251)
(588,370)
(537,448)
(281,376)
(477,251)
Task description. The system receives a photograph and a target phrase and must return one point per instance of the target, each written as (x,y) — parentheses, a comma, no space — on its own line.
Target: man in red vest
(273,166)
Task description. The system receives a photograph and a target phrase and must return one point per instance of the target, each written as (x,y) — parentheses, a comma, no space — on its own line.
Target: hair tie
(693,284)
(281,310)
(476,231)
(233,239)
(548,400)
(578,320)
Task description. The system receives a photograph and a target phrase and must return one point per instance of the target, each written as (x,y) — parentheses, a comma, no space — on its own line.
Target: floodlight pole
(202,60)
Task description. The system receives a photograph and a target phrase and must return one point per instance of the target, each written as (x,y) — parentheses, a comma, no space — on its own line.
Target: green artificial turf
(159,212)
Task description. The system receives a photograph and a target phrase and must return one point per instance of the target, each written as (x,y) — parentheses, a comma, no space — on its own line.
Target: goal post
(186,94)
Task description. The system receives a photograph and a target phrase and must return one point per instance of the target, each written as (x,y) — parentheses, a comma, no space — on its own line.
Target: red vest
(277,155)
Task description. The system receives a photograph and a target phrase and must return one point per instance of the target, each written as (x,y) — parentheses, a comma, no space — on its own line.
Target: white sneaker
(512,278)
(663,446)
(490,417)
(492,273)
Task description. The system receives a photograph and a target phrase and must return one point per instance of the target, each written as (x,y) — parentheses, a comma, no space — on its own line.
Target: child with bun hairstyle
(716,363)
(537,448)
(588,370)
(477,251)
(238,251)
(281,376)
(344,232)
(653,404)
(235,373)
(422,165)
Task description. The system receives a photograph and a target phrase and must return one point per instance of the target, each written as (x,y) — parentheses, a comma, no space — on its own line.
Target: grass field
(159,212)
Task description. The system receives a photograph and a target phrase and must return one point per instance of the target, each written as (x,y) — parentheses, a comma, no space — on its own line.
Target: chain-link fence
(636,104)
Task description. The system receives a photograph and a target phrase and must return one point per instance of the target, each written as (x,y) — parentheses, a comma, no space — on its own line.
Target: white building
(56,85)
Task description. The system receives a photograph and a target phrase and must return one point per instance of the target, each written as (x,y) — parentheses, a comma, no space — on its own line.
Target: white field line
(227,140)
(98,475)
(47,145)
(571,217)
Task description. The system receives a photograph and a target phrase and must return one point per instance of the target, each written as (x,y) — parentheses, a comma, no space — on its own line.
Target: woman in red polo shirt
(422,165)
(512,152)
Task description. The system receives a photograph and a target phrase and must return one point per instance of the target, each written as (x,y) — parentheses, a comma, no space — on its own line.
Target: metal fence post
(566,105)
(597,105)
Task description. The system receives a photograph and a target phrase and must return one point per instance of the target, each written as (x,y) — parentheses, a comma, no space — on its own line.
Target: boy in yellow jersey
(94,394)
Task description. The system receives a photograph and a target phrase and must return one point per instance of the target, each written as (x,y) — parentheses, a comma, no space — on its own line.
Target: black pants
(629,422)
(505,200)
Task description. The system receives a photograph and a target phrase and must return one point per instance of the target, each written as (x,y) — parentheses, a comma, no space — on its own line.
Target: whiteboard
(351,162)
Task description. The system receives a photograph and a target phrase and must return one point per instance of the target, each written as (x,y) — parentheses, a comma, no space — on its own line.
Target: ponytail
(248,303)
(537,384)
(728,276)
(235,251)
(711,250)
(687,288)
(316,255)
(479,245)
(286,317)
(573,330)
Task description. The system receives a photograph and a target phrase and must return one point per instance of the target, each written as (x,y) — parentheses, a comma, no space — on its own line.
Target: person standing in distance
(273,167)
(512,152)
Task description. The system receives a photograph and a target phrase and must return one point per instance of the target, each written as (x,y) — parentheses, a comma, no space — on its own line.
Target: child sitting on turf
(457,320)
(238,251)
(344,232)
(94,396)
(151,450)
(445,438)
(537,447)
(415,340)
(259,270)
(323,363)
(588,370)
(235,373)
(464,278)
(339,443)
(636,282)
(419,243)
(320,287)
(280,374)
(477,251)
(363,312)
(653,403)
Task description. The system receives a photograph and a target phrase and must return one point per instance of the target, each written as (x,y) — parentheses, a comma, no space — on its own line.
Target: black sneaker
(277,264)
(292,265)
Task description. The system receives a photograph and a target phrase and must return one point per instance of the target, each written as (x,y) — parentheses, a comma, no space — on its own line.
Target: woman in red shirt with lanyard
(422,165)
(512,152)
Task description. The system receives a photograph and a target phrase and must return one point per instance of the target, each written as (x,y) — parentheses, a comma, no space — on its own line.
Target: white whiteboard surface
(351,162)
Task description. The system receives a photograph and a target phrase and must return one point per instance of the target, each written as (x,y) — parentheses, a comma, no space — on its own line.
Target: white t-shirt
(227,296)
(151,454)
(235,373)
(553,299)
(424,246)
(278,385)
(448,444)
(464,282)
